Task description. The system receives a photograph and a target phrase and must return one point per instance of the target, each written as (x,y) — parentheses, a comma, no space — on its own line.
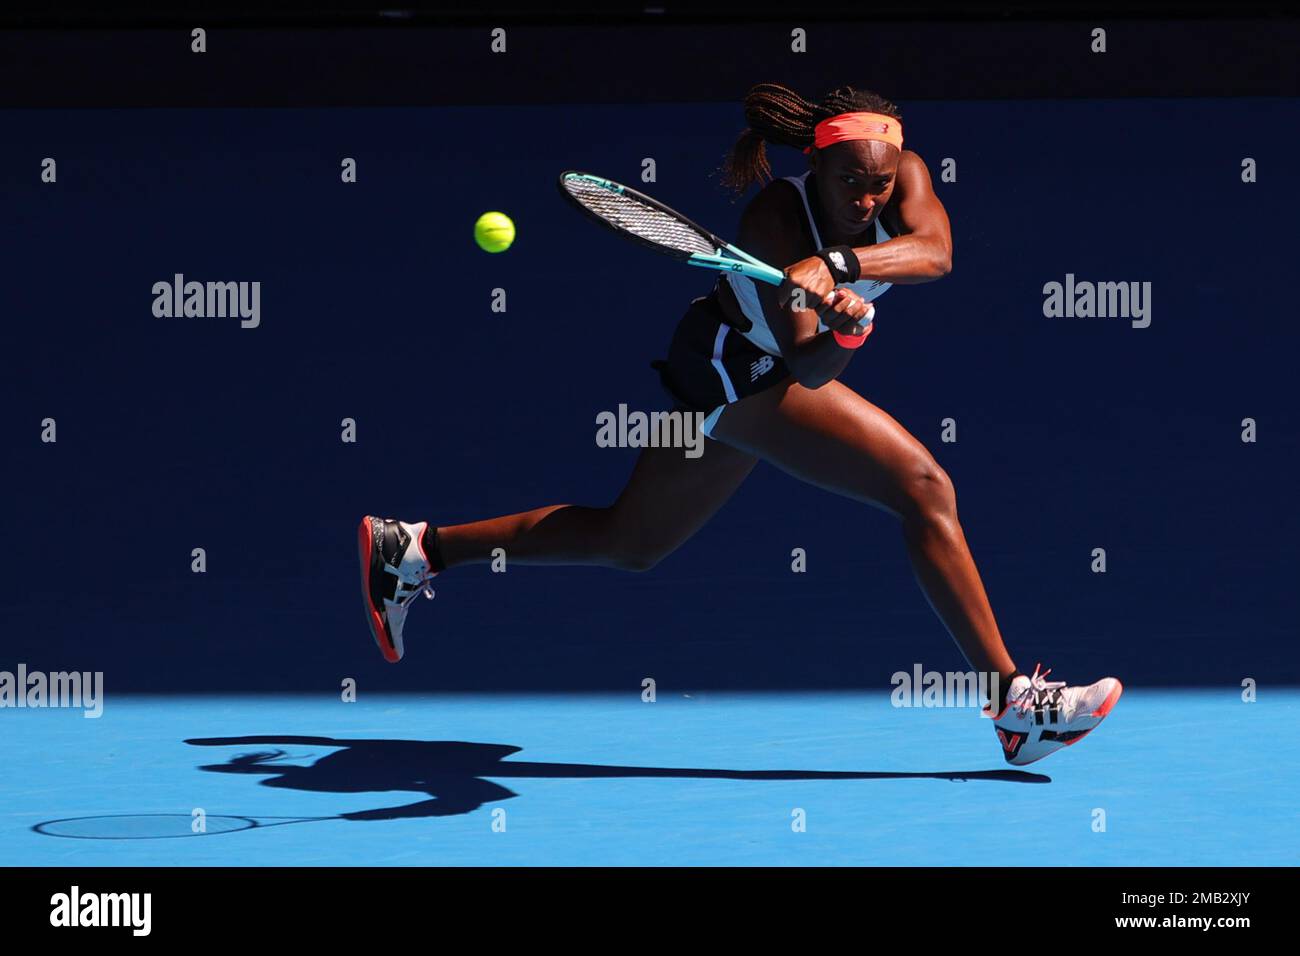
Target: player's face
(854,182)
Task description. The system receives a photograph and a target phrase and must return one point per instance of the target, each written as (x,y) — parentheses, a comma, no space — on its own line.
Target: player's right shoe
(394,572)
(1039,716)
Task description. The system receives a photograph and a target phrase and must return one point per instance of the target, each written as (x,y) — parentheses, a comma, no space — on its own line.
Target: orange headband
(851,126)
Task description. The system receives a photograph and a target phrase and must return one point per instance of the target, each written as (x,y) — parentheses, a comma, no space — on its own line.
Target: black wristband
(842,262)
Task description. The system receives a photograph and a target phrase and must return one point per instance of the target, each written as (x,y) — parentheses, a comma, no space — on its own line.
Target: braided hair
(779,115)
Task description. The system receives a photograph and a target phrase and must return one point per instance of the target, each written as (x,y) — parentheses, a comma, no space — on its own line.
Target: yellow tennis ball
(494,232)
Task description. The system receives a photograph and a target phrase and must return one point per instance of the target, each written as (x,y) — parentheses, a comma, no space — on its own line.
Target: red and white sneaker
(1039,717)
(394,572)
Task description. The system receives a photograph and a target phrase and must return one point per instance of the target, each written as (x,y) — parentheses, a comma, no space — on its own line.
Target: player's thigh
(835,439)
(670,496)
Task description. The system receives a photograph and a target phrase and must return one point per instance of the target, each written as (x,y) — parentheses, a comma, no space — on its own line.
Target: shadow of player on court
(452,773)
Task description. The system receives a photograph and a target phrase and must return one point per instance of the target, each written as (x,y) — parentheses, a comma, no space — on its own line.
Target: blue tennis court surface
(1189,777)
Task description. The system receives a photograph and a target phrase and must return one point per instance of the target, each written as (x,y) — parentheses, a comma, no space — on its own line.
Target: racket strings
(646,222)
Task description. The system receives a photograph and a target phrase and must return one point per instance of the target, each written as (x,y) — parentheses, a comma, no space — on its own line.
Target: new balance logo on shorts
(761,367)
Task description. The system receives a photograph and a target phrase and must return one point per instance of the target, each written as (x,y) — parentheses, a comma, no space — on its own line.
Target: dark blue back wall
(1073,433)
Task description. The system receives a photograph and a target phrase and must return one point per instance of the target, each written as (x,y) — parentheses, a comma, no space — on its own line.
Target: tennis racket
(648,222)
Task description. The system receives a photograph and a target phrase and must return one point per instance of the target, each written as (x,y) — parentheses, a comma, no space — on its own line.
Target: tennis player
(762,365)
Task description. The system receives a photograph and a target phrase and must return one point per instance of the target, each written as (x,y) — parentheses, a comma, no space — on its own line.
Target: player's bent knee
(630,545)
(639,559)
(643,562)
(630,549)
(929,493)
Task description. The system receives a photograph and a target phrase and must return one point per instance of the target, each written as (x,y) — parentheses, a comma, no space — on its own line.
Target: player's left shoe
(1039,717)
(394,572)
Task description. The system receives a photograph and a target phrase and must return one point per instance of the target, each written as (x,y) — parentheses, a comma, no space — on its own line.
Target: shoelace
(1040,692)
(425,587)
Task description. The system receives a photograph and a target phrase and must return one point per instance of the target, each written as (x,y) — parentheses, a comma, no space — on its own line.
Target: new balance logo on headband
(761,367)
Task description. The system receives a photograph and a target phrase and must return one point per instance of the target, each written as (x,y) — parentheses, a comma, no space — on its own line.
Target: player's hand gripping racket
(646,221)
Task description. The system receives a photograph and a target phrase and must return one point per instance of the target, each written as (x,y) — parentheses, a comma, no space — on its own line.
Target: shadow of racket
(161,826)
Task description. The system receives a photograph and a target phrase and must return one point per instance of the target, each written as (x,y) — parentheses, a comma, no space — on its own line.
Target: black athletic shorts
(710,364)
